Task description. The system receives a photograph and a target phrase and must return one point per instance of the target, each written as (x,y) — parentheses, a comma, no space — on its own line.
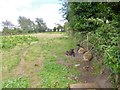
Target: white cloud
(9,9)
(50,14)
(12,9)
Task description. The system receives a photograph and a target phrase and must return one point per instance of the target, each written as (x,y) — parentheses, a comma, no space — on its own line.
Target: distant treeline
(27,26)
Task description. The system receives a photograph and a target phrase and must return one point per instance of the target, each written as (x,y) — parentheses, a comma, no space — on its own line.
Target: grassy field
(36,63)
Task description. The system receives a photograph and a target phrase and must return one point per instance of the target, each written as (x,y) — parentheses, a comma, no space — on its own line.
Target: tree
(5,31)
(26,24)
(65,8)
(41,26)
(7,24)
(54,29)
(8,27)
(59,27)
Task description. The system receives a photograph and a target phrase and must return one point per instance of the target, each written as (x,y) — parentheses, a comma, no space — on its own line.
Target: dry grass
(47,35)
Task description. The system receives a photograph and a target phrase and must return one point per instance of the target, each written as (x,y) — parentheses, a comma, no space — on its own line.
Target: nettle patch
(12,41)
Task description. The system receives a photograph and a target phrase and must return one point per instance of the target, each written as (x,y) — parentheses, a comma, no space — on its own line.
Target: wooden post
(87,41)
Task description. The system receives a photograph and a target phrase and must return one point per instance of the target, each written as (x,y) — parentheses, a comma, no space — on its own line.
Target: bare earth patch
(87,72)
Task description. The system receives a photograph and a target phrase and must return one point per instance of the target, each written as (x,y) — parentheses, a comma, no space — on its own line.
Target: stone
(87,56)
(81,50)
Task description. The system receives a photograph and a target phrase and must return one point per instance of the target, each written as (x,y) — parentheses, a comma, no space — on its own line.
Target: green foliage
(107,35)
(79,13)
(16,83)
(102,19)
(111,59)
(41,26)
(11,41)
(5,31)
(26,24)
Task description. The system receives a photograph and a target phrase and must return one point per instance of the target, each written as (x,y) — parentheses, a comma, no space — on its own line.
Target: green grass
(53,75)
(16,83)
(11,50)
(10,59)
(33,53)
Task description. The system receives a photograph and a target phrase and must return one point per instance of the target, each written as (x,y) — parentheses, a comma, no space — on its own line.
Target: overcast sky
(47,9)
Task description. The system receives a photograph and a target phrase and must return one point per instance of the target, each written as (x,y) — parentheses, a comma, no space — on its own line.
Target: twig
(108,54)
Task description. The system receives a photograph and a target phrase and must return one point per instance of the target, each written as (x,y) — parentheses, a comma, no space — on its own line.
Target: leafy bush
(107,35)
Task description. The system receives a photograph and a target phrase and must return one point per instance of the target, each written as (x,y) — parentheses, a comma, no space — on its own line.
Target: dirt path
(34,72)
(29,69)
(88,75)
(20,69)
